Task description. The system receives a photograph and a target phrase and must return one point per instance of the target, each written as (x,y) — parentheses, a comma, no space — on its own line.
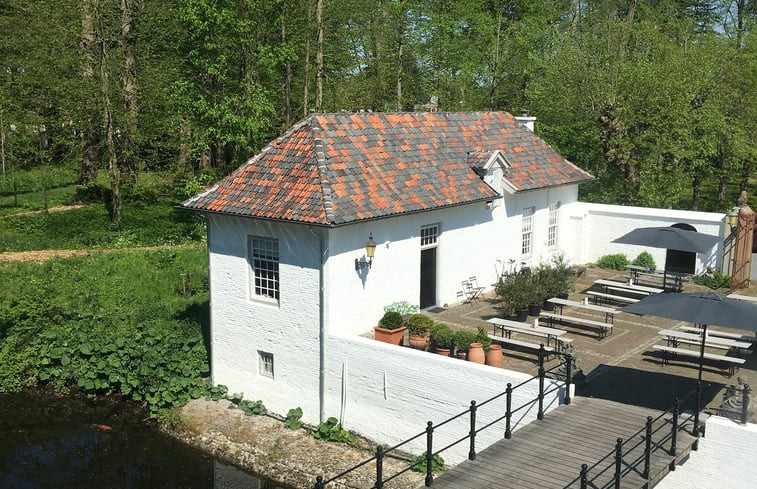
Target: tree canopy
(656,98)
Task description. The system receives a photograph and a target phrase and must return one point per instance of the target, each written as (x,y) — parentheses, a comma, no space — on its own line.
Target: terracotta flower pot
(392,336)
(419,342)
(476,353)
(494,356)
(443,351)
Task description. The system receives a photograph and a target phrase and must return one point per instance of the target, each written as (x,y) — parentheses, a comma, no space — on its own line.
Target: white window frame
(552,226)
(265,364)
(429,235)
(263,258)
(527,231)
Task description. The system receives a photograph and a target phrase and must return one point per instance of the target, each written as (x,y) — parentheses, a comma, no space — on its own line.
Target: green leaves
(293,419)
(331,430)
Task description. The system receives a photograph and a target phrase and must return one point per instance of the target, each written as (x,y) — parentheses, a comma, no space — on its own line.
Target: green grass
(33,201)
(143,224)
(61,320)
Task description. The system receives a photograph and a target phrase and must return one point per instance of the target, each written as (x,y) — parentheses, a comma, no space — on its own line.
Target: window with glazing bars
(429,234)
(265,366)
(527,230)
(552,228)
(264,258)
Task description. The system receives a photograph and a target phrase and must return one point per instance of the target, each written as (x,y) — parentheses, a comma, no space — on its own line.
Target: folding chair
(471,291)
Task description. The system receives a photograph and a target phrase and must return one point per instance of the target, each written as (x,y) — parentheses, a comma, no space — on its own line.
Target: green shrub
(617,261)
(463,338)
(217,392)
(331,430)
(253,407)
(419,463)
(442,336)
(644,260)
(391,320)
(417,324)
(482,336)
(293,419)
(402,307)
(713,280)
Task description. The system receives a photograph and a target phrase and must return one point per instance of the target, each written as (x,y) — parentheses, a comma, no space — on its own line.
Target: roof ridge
(320,154)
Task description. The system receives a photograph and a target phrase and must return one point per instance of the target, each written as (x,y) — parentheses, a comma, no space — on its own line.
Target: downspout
(322,327)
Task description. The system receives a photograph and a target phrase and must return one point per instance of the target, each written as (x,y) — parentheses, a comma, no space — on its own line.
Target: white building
(445,196)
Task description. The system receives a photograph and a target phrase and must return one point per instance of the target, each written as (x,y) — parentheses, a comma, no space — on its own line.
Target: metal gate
(742,248)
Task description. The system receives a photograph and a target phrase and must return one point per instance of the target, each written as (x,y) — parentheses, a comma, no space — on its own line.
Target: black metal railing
(382,453)
(735,403)
(617,460)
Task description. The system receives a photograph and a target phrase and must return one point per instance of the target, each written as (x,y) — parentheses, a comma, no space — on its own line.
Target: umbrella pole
(699,381)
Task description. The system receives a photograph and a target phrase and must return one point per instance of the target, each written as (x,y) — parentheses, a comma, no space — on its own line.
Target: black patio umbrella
(670,238)
(703,308)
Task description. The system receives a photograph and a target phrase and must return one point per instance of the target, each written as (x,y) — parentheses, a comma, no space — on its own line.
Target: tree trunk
(319,57)
(495,61)
(205,159)
(696,183)
(400,45)
(113,169)
(722,186)
(90,134)
(306,74)
(129,83)
(184,164)
(288,72)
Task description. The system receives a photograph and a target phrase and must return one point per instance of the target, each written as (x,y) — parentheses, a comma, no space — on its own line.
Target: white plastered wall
(725,459)
(241,326)
(472,238)
(389,393)
(592,227)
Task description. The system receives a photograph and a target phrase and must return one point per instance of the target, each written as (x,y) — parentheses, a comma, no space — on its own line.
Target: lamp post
(370,250)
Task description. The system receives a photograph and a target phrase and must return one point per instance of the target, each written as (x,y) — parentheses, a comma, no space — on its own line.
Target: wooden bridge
(549,453)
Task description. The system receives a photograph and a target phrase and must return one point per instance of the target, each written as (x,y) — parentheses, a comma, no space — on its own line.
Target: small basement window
(265,364)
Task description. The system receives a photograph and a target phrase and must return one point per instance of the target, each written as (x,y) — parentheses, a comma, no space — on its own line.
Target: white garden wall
(592,227)
(725,459)
(389,393)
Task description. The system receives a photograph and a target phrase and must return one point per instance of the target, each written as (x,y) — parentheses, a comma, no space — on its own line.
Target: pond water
(53,442)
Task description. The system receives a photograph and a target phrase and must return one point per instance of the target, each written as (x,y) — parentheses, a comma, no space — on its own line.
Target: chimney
(525,120)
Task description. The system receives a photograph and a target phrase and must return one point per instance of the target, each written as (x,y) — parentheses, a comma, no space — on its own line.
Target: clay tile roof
(332,169)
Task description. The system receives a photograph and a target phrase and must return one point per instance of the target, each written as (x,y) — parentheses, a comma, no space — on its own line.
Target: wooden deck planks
(549,453)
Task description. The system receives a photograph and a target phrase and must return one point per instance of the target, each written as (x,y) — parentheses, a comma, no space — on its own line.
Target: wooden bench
(720,334)
(732,362)
(521,343)
(603,327)
(609,297)
(629,291)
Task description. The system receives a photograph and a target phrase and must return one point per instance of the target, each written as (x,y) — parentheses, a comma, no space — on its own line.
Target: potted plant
(535,291)
(564,277)
(390,328)
(550,284)
(514,294)
(463,339)
(418,330)
(442,338)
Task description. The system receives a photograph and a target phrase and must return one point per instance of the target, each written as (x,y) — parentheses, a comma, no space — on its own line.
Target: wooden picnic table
(506,327)
(626,287)
(608,311)
(674,337)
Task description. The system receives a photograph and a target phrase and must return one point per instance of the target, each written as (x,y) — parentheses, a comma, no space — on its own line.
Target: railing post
(472,451)
(508,412)
(618,461)
(318,482)
(584,476)
(540,414)
(648,448)
(429,452)
(745,404)
(697,409)
(674,430)
(379,467)
(568,376)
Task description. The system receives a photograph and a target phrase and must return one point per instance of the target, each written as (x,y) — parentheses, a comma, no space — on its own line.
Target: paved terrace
(623,366)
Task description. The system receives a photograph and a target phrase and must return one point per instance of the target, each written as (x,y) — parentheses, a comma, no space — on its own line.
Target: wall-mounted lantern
(732,218)
(370,250)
